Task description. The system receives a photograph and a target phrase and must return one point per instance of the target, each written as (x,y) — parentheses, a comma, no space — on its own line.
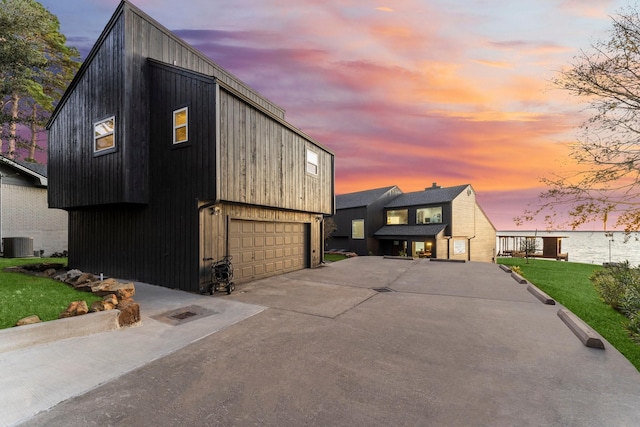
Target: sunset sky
(406,92)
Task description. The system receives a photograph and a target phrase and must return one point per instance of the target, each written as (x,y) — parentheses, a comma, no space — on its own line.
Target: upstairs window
(429,215)
(357,229)
(181,125)
(400,216)
(104,137)
(312,162)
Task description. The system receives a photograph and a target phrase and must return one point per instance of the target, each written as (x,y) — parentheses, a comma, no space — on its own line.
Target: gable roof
(360,198)
(35,170)
(429,196)
(220,72)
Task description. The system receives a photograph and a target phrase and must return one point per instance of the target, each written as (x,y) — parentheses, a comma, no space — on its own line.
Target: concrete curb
(404,258)
(505,268)
(588,337)
(518,278)
(446,260)
(40,333)
(546,299)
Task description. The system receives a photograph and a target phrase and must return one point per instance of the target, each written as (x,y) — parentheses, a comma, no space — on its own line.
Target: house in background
(24,212)
(441,223)
(163,159)
(358,216)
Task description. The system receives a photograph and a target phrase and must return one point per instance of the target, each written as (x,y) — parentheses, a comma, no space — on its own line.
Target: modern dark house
(358,216)
(441,223)
(164,159)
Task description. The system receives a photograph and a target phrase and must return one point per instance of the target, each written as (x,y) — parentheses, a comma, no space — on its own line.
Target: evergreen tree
(35,67)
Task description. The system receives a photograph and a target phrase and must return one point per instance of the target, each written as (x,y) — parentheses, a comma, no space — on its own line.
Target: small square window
(312,162)
(104,135)
(180,125)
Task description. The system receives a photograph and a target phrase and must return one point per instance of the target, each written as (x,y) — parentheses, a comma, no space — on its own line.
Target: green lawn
(569,284)
(334,257)
(24,295)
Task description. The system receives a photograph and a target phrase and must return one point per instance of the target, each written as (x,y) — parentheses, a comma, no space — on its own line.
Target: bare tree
(607,79)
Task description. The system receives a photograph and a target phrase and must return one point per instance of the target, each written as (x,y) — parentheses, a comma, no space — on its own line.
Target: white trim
(185,125)
(43,179)
(312,162)
(105,134)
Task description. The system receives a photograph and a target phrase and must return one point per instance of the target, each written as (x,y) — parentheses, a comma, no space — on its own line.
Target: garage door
(261,249)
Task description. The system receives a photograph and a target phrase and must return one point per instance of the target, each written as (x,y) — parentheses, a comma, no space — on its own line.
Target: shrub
(619,287)
(609,287)
(516,269)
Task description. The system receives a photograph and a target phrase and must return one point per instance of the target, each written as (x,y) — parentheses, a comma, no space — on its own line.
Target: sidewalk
(365,341)
(36,377)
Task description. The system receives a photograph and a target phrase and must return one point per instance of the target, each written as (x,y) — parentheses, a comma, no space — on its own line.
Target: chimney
(433,186)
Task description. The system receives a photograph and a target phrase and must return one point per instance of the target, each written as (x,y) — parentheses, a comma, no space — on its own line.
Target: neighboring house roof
(429,196)
(360,198)
(35,170)
(410,230)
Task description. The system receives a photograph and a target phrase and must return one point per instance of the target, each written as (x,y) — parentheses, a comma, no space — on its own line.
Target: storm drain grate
(184,315)
(385,289)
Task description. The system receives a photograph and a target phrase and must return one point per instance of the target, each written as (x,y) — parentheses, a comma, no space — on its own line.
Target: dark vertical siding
(158,242)
(76,176)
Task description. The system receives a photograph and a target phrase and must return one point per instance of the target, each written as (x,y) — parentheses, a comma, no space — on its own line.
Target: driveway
(448,344)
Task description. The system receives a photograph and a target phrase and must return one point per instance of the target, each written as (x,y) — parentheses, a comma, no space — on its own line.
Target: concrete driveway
(450,344)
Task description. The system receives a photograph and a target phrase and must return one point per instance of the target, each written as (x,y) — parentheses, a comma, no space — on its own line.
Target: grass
(334,257)
(568,283)
(24,295)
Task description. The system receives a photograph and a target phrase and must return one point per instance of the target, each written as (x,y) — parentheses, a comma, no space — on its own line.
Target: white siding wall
(25,213)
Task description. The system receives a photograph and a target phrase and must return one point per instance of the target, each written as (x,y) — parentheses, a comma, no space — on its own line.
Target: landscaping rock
(111,299)
(101,306)
(85,287)
(84,278)
(109,302)
(70,275)
(129,313)
(112,286)
(49,272)
(29,320)
(76,308)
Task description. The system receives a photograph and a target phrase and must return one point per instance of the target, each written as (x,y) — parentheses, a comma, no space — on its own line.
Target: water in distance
(590,247)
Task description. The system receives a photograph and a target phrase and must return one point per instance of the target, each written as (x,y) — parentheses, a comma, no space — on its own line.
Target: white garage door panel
(261,249)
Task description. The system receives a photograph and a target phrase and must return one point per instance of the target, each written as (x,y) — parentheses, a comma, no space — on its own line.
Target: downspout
(469,247)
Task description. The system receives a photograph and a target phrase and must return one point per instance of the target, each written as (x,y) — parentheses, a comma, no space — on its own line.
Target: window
(398,217)
(180,125)
(312,162)
(429,215)
(104,135)
(357,229)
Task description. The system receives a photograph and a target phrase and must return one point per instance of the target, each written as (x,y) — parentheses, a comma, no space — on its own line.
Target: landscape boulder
(112,286)
(75,308)
(29,320)
(109,302)
(70,276)
(129,313)
(84,278)
(49,272)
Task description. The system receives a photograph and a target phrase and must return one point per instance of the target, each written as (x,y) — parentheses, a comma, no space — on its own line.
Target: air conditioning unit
(17,247)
